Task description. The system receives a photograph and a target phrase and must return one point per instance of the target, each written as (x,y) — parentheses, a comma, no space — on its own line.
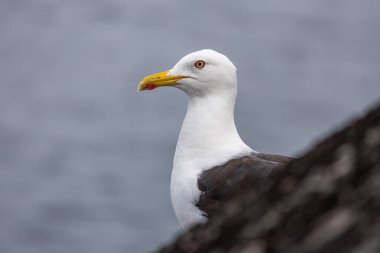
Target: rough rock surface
(327,201)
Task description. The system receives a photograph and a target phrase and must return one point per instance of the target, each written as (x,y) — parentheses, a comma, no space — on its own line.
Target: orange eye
(199,64)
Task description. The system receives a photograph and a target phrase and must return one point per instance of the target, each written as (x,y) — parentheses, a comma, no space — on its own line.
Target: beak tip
(140,87)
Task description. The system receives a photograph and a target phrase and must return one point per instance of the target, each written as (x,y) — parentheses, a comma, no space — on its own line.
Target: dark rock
(327,201)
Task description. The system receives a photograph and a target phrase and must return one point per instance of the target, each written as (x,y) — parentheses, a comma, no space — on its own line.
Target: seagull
(211,162)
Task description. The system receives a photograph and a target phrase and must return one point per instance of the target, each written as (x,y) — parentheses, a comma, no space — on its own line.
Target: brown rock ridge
(327,201)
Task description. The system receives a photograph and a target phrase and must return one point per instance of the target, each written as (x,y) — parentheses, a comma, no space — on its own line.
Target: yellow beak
(158,80)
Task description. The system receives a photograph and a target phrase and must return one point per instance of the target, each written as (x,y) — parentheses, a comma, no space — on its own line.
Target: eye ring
(199,64)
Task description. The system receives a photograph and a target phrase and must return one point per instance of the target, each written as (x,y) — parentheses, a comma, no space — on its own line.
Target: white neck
(208,138)
(208,135)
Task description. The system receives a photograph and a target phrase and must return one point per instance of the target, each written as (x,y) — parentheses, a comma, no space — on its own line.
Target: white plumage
(208,141)
(208,135)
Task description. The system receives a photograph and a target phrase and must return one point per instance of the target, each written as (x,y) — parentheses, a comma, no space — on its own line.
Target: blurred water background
(85,162)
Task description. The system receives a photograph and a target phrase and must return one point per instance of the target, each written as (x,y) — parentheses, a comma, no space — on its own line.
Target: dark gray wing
(220,183)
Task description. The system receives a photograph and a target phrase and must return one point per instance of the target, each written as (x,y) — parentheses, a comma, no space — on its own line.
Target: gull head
(200,73)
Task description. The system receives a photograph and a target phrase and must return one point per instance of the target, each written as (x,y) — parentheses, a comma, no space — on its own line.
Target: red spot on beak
(149,87)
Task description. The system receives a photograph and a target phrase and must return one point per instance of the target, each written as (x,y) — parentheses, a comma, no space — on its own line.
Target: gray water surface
(85,162)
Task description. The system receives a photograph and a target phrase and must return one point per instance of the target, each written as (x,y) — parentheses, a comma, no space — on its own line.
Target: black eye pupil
(199,64)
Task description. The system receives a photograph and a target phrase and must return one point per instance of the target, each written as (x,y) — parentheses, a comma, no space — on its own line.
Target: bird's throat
(209,129)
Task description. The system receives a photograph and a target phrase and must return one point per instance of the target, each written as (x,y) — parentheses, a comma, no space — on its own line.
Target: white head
(198,74)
